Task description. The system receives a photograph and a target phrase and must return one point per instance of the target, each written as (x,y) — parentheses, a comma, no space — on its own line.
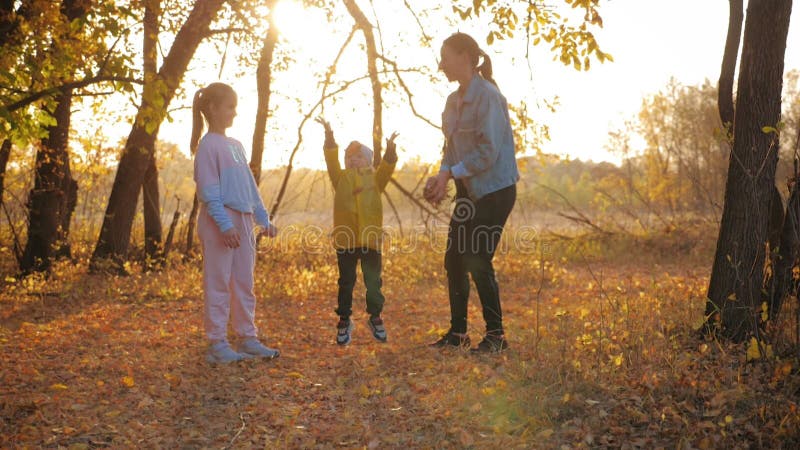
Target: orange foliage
(603,354)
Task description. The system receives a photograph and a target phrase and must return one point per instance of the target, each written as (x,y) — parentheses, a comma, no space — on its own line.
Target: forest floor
(603,353)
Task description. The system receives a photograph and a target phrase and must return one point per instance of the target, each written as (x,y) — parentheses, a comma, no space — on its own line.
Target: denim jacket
(479,144)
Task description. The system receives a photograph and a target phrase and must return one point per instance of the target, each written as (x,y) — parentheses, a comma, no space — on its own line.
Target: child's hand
(270,231)
(320,120)
(231,238)
(390,155)
(330,142)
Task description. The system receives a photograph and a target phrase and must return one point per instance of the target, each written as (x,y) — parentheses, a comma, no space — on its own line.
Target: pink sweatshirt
(224,180)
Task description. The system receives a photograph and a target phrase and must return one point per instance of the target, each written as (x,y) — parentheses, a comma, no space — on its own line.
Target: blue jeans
(370,268)
(473,237)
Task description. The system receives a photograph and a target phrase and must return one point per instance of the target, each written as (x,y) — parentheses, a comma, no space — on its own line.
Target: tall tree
(54,194)
(734,291)
(263,87)
(112,244)
(151,207)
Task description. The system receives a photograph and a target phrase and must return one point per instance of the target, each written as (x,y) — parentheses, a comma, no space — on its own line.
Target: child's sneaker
(222,353)
(254,348)
(344,331)
(377,328)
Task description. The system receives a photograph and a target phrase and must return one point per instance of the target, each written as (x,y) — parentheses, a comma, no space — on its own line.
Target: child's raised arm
(386,168)
(331,151)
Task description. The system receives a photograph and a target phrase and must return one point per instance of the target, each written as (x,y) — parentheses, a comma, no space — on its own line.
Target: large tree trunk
(50,204)
(112,244)
(150,198)
(48,198)
(734,291)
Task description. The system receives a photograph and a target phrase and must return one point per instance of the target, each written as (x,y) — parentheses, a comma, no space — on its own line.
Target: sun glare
(292,20)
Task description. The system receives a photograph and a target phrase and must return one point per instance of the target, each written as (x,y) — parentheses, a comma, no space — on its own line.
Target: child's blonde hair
(212,94)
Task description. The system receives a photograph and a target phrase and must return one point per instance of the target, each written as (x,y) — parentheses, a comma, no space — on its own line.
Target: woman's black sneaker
(491,344)
(451,340)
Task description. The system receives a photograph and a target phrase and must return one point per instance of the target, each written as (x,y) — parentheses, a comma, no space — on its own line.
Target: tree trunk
(788,257)
(151,208)
(263,81)
(5,152)
(48,198)
(112,244)
(150,199)
(172,227)
(51,204)
(372,68)
(725,94)
(70,189)
(190,226)
(734,291)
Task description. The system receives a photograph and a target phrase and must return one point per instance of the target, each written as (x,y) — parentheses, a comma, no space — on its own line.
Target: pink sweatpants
(228,277)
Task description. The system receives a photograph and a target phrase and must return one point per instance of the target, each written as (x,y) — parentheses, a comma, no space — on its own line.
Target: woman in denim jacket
(479,157)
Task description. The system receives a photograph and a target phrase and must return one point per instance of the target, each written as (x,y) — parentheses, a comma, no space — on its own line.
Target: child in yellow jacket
(358,227)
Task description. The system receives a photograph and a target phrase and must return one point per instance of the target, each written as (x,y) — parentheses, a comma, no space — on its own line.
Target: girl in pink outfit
(230,204)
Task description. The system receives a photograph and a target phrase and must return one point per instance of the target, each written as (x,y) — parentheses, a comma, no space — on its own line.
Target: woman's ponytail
(485,69)
(464,43)
(197,121)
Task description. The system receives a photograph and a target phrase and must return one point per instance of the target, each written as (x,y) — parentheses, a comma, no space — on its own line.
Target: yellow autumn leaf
(58,387)
(294,375)
(127,381)
(753,352)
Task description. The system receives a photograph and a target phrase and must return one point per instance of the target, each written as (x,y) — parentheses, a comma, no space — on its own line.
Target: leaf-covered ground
(603,355)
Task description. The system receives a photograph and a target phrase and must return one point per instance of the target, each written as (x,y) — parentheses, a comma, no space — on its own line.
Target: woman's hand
(231,238)
(270,231)
(436,188)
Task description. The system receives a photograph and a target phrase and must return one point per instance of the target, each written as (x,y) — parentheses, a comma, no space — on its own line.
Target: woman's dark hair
(212,94)
(464,43)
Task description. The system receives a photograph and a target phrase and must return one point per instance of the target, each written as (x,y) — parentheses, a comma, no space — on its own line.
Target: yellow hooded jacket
(357,205)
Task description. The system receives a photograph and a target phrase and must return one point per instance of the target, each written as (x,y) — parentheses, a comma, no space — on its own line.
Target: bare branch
(11,107)
(408,92)
(579,217)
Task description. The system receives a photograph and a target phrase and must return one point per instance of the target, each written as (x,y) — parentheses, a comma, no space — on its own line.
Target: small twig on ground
(244,424)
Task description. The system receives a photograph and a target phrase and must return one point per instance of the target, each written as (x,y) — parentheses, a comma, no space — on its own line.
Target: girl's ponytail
(485,69)
(197,121)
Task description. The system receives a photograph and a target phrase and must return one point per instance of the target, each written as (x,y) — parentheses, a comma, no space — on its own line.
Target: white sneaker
(253,348)
(222,353)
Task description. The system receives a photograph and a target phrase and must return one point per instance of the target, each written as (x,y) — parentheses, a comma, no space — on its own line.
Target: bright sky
(650,41)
